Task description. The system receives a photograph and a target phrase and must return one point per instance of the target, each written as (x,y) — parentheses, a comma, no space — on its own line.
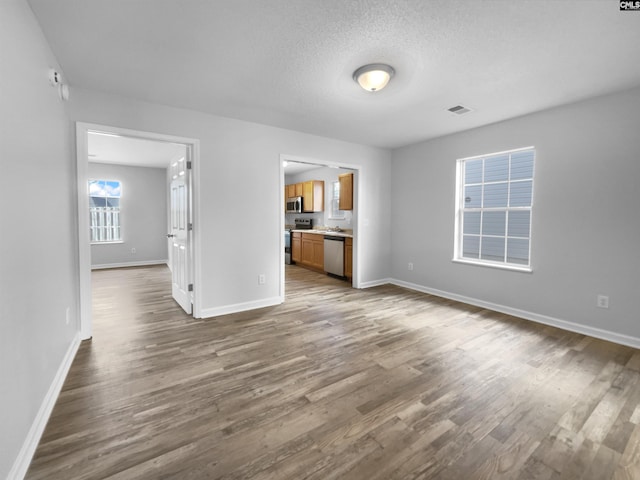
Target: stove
(304,223)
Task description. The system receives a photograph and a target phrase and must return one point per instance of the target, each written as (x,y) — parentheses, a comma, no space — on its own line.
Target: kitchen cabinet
(313,196)
(293,190)
(312,251)
(348,258)
(346,191)
(296,247)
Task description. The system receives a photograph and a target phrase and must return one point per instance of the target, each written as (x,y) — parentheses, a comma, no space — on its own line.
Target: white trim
(84,247)
(196,254)
(142,263)
(487,263)
(240,307)
(84,237)
(358,171)
(535,317)
(282,200)
(23,460)
(376,283)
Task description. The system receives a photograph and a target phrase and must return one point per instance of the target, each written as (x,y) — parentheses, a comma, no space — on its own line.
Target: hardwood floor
(336,383)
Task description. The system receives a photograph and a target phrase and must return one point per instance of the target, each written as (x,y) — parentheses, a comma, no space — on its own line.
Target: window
(104,211)
(493,209)
(336,213)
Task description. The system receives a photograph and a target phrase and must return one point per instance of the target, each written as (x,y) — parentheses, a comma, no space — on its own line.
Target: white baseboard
(143,263)
(21,465)
(608,335)
(239,307)
(375,283)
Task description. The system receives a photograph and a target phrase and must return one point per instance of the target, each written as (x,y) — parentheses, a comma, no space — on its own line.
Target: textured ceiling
(289,63)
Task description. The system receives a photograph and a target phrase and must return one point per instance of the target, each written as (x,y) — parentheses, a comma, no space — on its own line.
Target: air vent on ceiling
(459,110)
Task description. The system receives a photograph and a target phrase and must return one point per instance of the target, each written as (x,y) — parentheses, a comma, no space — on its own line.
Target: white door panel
(180,236)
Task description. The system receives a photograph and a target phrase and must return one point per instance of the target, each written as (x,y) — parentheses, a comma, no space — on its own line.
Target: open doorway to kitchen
(319,227)
(120,172)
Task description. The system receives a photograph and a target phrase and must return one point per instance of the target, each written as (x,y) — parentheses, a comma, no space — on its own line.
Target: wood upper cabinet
(313,196)
(348,257)
(293,190)
(296,247)
(346,191)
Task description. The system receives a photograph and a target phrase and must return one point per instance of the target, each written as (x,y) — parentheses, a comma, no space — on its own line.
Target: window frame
(336,213)
(459,210)
(121,236)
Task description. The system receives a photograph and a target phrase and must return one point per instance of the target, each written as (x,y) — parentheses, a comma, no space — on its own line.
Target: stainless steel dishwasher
(334,255)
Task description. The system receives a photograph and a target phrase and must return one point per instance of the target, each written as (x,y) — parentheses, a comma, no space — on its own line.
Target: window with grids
(104,211)
(336,213)
(493,209)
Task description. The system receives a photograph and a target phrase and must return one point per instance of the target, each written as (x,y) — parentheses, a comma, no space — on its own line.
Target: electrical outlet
(68,315)
(262,279)
(133,250)
(410,266)
(602,301)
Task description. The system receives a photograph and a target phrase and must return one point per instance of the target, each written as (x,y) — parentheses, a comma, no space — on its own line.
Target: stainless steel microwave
(294,205)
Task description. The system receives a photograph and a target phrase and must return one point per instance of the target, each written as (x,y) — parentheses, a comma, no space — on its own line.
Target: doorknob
(170,235)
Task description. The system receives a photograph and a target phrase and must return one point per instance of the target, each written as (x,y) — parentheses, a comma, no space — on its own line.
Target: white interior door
(180,234)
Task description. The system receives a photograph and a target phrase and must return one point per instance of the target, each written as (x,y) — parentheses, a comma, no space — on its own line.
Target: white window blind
(336,213)
(104,211)
(493,208)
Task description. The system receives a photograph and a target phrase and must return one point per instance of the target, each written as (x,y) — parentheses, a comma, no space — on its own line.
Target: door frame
(84,243)
(357,170)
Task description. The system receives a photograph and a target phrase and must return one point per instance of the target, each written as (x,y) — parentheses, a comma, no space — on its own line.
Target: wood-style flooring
(336,383)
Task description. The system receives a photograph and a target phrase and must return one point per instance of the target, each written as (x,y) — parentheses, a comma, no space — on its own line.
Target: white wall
(328,176)
(38,268)
(586,225)
(143,215)
(240,193)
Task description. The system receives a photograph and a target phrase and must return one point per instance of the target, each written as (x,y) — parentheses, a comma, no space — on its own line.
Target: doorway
(187,272)
(326,217)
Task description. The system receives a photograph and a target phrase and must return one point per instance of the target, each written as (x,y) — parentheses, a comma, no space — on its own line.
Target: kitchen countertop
(325,232)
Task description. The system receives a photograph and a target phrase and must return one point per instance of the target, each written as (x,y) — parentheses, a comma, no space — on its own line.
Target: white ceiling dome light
(373,77)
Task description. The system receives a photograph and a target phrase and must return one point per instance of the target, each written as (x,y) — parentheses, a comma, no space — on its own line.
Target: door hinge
(189,226)
(190,287)
(189,165)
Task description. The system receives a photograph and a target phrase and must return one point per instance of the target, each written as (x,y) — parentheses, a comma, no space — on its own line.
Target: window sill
(107,243)
(499,266)
(336,218)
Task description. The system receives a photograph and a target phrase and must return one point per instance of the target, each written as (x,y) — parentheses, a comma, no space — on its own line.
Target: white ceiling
(293,168)
(289,63)
(132,151)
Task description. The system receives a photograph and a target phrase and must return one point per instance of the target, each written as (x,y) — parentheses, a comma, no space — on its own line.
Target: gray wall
(143,215)
(38,246)
(240,193)
(586,224)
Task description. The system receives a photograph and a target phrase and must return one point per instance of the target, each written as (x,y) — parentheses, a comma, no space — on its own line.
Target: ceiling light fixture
(373,77)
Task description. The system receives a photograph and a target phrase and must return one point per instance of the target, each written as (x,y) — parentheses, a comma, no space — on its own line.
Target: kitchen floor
(336,383)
